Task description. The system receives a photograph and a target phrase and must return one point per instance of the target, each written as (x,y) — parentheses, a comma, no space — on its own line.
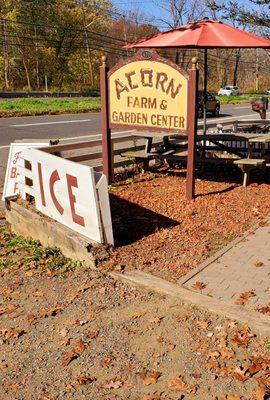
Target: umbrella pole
(204,101)
(205,91)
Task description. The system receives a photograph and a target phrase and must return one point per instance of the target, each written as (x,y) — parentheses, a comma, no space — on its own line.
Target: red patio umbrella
(204,34)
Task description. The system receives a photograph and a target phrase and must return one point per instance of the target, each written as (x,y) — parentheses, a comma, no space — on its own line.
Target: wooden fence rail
(94,153)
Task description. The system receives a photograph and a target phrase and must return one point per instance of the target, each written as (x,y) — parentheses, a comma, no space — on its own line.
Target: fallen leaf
(31,318)
(51,312)
(242,337)
(258,394)
(107,361)
(9,309)
(151,378)
(231,324)
(199,285)
(241,374)
(192,389)
(29,274)
(11,333)
(11,386)
(170,346)
(83,379)
(75,352)
(64,342)
(211,365)
(202,324)
(226,353)
(244,297)
(155,320)
(259,264)
(38,293)
(264,309)
(214,354)
(264,382)
(137,315)
(92,334)
(112,384)
(176,383)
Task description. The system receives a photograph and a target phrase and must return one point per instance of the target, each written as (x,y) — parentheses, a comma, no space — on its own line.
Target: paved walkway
(243,267)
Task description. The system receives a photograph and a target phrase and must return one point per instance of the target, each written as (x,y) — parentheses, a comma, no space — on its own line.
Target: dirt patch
(75,333)
(158,231)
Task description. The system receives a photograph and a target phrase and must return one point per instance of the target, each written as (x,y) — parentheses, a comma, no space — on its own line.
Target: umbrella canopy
(207,34)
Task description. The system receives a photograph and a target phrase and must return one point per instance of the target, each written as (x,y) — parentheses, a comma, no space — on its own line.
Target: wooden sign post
(148,92)
(105,128)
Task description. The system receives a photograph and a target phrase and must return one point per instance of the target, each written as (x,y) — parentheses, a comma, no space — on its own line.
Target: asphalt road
(71,127)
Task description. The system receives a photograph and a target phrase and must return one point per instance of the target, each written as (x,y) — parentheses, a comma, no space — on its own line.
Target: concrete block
(26,222)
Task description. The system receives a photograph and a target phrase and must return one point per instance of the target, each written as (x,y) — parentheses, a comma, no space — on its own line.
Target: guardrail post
(105,127)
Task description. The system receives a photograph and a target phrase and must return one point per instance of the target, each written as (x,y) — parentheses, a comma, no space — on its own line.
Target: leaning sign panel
(66,192)
(148,92)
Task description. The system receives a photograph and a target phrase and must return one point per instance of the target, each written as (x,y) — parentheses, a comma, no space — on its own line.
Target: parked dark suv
(212,104)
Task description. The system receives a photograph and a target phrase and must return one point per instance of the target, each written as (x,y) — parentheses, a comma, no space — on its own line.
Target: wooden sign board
(148,92)
(72,194)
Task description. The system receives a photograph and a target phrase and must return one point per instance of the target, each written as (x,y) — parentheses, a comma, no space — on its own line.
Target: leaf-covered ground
(158,231)
(70,333)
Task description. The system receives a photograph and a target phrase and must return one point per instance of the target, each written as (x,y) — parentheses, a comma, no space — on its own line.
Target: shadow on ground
(218,173)
(131,222)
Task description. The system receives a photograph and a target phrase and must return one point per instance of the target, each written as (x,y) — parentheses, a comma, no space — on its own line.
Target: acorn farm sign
(148,94)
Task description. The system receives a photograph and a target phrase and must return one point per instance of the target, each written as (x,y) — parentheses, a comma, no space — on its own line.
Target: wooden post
(105,127)
(192,129)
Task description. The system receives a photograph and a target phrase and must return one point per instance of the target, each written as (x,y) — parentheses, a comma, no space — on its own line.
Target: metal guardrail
(43,94)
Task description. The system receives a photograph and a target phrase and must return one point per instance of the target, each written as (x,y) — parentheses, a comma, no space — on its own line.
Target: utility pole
(5,54)
(257,71)
(37,61)
(46,83)
(88,51)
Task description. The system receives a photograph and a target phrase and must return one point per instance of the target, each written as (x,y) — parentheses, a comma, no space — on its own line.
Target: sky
(147,7)
(151,9)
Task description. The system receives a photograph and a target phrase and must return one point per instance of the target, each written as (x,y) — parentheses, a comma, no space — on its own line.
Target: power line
(58,27)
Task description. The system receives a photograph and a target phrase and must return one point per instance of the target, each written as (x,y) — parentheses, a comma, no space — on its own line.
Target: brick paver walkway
(243,267)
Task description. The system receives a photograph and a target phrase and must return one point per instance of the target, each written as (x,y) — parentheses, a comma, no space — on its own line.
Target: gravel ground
(70,333)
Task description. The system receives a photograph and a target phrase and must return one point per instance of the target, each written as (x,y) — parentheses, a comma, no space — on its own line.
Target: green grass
(35,106)
(20,252)
(243,98)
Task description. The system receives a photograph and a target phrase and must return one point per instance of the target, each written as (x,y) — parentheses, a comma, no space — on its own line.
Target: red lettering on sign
(16,187)
(55,177)
(16,157)
(13,172)
(72,182)
(41,187)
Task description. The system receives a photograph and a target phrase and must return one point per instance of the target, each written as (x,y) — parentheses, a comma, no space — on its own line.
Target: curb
(257,322)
